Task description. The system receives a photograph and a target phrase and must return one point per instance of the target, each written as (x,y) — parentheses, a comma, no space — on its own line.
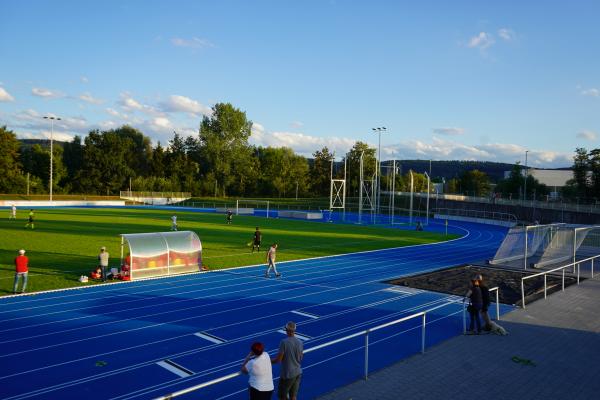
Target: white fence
(576,266)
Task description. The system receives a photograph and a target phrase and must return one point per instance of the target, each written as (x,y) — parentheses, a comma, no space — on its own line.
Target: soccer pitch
(66,241)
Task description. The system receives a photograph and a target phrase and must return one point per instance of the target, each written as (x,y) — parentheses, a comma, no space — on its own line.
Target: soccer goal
(248,206)
(527,245)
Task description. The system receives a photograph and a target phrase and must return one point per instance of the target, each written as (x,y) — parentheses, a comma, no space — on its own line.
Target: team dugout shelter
(149,255)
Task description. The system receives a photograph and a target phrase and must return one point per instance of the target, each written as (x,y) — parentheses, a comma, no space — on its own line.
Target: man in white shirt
(13,214)
(271,254)
(103,261)
(174,222)
(257,365)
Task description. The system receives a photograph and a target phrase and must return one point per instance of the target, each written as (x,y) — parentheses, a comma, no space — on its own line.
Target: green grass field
(65,242)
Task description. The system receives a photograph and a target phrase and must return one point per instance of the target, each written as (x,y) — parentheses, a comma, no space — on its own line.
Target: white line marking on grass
(235,268)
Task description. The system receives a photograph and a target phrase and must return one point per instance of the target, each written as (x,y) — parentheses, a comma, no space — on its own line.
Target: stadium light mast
(526,176)
(377,170)
(52,119)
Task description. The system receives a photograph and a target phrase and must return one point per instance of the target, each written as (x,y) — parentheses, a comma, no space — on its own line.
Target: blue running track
(110,341)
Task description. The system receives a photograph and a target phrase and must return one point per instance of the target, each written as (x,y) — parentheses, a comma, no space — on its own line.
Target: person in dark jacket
(485,297)
(475,306)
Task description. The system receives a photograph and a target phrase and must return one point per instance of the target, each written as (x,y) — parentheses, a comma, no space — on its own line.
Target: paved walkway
(560,335)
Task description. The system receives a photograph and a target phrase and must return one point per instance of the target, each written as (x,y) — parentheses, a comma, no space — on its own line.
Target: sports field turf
(65,241)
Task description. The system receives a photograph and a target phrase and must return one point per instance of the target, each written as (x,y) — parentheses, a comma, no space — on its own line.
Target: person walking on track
(271,255)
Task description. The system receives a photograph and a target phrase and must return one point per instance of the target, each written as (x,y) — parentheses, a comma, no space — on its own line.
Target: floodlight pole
(526,176)
(360,191)
(411,197)
(51,118)
(377,172)
(428,190)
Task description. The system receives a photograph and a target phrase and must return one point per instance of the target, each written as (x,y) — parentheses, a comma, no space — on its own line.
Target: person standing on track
(256,240)
(21,270)
(271,255)
(257,365)
(13,213)
(291,351)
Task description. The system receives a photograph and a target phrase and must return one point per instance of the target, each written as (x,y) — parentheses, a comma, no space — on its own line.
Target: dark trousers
(474,312)
(258,395)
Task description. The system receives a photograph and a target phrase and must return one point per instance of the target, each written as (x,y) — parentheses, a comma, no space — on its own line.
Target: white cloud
(450,131)
(297,124)
(128,103)
(5,96)
(591,92)
(87,97)
(301,143)
(84,79)
(59,136)
(177,103)
(507,34)
(587,135)
(116,114)
(194,43)
(481,41)
(46,93)
(440,149)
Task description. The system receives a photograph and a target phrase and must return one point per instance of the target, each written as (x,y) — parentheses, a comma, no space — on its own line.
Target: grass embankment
(65,242)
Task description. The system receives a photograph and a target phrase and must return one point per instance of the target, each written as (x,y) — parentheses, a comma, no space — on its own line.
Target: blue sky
(449,79)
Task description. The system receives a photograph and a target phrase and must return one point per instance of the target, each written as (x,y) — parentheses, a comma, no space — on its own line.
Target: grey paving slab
(559,335)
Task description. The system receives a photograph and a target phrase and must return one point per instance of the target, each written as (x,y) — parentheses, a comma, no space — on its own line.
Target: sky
(450,80)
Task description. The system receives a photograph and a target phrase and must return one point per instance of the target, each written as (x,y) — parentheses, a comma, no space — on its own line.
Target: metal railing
(493,215)
(576,266)
(421,314)
(494,289)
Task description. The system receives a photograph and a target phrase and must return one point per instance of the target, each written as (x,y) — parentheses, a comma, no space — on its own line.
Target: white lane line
(175,368)
(300,336)
(209,337)
(305,314)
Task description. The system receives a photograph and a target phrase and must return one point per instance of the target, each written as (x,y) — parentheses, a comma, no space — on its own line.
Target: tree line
(219,161)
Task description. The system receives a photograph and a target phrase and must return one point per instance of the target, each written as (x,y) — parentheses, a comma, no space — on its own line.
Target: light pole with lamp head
(377,172)
(52,119)
(526,176)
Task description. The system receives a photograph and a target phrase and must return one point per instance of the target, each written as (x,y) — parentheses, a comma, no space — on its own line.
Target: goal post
(242,206)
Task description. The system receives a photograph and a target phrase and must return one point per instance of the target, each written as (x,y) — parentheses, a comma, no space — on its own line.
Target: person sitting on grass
(96,273)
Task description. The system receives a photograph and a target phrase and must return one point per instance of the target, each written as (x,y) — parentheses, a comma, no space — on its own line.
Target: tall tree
(282,171)
(73,157)
(353,166)
(320,172)
(580,167)
(475,183)
(11,178)
(223,142)
(105,167)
